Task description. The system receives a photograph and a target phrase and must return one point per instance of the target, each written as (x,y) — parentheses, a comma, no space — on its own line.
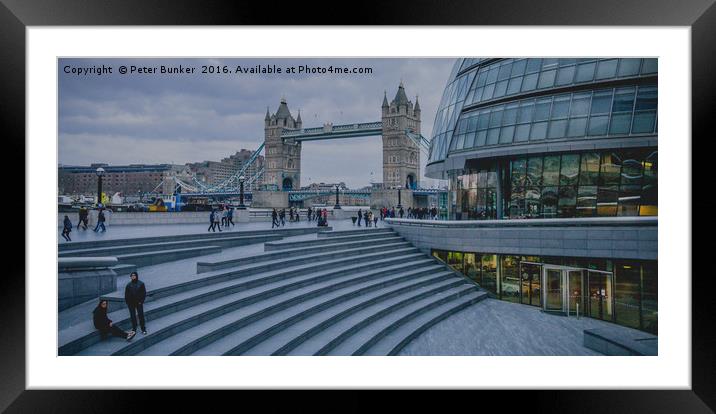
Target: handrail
(560,222)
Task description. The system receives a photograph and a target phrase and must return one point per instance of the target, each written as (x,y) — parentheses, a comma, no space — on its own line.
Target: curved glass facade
(513,101)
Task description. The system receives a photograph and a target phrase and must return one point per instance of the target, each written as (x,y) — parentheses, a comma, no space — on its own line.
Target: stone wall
(389,198)
(84,278)
(609,238)
(269,199)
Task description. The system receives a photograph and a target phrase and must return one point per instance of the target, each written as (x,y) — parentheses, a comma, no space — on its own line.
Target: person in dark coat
(100,221)
(274,219)
(67,229)
(83,218)
(105,326)
(134,295)
(211,222)
(360,216)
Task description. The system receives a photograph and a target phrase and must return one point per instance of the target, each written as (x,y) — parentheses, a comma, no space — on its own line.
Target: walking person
(365,218)
(224,214)
(100,222)
(67,228)
(282,216)
(375,221)
(105,326)
(217,223)
(211,222)
(360,217)
(401,212)
(230,217)
(134,295)
(274,218)
(83,218)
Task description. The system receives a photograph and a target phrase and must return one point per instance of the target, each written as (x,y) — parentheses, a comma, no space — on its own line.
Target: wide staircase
(357,292)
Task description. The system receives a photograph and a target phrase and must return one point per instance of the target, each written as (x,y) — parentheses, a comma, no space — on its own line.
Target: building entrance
(564,289)
(531,281)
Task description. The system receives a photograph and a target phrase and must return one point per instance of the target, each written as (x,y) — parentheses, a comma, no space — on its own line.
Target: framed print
(407,206)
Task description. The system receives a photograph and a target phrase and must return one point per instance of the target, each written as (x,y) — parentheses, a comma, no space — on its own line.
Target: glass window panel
(518,67)
(471,267)
(649,204)
(550,175)
(550,199)
(538,131)
(496,117)
(534,172)
(546,79)
(492,75)
(504,71)
(585,72)
(643,122)
(506,134)
(525,112)
(472,124)
(481,78)
(481,138)
(586,201)
(623,100)
(649,66)
(577,127)
(601,102)
(493,136)
(549,63)
(533,65)
(565,75)
(569,171)
(462,126)
(650,297)
(510,279)
(542,108)
(522,133)
(514,86)
(560,107)
(620,124)
(510,115)
(610,170)
(460,141)
(629,199)
(489,273)
(646,99)
(631,169)
(529,82)
(500,89)
(488,91)
(629,67)
(598,125)
(627,294)
(580,104)
(589,169)
(470,139)
(483,120)
(518,169)
(567,62)
(478,95)
(607,68)
(567,201)
(607,198)
(557,129)
(532,202)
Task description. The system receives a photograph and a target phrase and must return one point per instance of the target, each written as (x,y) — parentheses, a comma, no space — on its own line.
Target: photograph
(365,206)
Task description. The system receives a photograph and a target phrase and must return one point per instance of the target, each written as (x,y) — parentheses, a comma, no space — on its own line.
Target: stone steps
(169,245)
(281,245)
(285,232)
(353,292)
(341,233)
(302,254)
(181,296)
(153,257)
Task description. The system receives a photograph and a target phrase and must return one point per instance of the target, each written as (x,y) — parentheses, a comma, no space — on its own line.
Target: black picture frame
(16,15)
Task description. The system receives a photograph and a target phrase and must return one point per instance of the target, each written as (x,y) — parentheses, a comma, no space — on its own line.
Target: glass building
(571,140)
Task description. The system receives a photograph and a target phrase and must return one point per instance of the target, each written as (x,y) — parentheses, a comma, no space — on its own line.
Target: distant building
(125,179)
(215,172)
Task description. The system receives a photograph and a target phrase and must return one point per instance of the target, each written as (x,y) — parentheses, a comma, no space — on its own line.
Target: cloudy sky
(160,118)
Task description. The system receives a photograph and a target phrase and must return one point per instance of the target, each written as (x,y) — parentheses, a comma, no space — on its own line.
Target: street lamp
(337,206)
(399,206)
(241,193)
(100,173)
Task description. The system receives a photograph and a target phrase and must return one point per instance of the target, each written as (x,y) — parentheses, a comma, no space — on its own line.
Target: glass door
(530,280)
(600,294)
(576,300)
(554,284)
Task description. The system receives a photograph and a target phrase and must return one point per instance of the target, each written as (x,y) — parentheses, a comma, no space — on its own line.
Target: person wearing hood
(105,326)
(67,229)
(134,295)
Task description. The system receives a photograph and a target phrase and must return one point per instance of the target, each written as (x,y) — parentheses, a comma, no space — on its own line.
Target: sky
(179,118)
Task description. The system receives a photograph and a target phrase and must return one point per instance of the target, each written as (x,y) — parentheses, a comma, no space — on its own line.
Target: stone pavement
(495,327)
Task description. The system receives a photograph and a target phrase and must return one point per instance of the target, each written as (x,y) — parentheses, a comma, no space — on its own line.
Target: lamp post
(399,206)
(100,173)
(241,193)
(337,206)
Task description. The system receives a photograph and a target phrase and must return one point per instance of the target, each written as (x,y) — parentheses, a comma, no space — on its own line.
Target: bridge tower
(401,156)
(282,156)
